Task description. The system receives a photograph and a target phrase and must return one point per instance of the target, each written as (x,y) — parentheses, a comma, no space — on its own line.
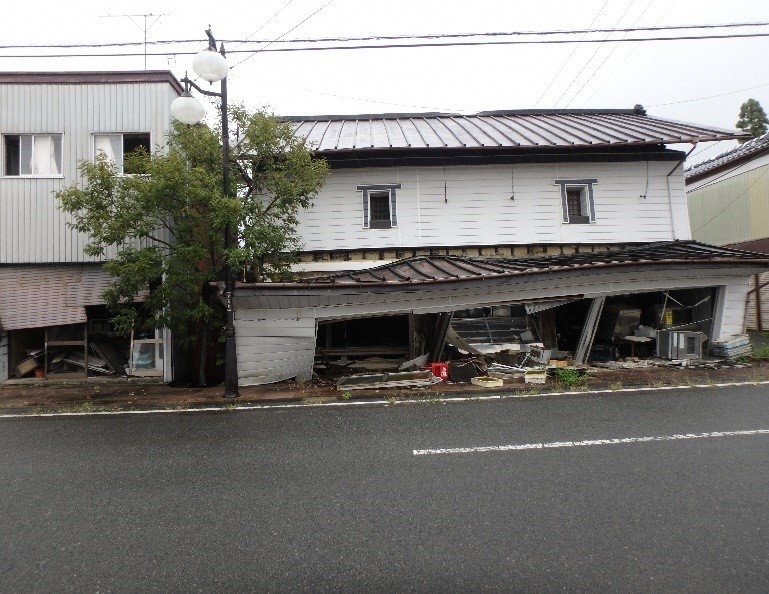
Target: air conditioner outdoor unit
(679,344)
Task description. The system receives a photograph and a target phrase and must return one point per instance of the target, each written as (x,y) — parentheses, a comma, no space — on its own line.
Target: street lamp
(212,66)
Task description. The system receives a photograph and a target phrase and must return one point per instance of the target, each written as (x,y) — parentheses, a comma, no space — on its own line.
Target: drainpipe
(670,193)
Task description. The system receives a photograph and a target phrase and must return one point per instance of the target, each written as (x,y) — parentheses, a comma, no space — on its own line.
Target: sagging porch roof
(421,270)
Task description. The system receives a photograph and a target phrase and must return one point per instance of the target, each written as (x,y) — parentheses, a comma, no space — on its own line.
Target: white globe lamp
(210,65)
(187,109)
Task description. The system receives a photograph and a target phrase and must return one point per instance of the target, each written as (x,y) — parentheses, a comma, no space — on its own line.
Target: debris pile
(734,348)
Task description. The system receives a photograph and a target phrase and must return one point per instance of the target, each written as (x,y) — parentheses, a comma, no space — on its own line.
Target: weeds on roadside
(570,377)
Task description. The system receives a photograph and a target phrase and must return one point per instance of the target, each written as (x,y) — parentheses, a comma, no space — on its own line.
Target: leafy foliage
(752,119)
(162,232)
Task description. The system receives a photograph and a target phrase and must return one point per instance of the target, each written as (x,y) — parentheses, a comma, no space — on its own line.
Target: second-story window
(379,205)
(33,155)
(577,203)
(118,146)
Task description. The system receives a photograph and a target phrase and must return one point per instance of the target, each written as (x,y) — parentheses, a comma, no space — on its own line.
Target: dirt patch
(38,396)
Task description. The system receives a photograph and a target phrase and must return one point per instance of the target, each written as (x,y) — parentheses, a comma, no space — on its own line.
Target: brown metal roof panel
(531,131)
(518,136)
(494,131)
(569,128)
(448,268)
(629,134)
(599,135)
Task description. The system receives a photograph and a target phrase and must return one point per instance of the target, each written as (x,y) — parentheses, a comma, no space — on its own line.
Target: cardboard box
(26,367)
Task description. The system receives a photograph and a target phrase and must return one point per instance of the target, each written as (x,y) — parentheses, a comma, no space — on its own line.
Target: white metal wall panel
(730,312)
(498,204)
(274,346)
(32,227)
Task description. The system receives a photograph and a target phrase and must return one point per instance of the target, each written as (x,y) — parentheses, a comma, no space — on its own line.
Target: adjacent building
(49,289)
(728,203)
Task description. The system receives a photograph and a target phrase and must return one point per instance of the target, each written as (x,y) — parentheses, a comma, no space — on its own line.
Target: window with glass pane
(379,205)
(116,147)
(33,154)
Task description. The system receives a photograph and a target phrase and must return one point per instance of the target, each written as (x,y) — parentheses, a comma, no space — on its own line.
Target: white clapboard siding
(730,312)
(3,356)
(273,346)
(32,227)
(498,204)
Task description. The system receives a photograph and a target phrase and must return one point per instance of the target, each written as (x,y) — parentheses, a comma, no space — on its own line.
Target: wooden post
(759,323)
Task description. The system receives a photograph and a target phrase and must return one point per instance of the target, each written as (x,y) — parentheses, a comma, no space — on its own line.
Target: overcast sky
(700,81)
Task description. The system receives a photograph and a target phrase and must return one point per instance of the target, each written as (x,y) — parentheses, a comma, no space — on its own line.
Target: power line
(566,61)
(282,36)
(399,46)
(594,53)
(268,21)
(607,56)
(385,37)
(627,56)
(711,96)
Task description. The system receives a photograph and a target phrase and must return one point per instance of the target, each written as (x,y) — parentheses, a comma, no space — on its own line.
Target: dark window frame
(12,153)
(379,223)
(586,197)
(130,141)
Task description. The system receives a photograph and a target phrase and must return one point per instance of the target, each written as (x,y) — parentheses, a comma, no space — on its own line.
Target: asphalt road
(336,499)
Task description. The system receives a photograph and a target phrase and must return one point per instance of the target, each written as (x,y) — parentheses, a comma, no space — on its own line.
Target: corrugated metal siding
(273,348)
(474,205)
(32,228)
(731,210)
(40,296)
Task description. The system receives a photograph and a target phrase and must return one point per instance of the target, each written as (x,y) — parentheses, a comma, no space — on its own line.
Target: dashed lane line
(590,442)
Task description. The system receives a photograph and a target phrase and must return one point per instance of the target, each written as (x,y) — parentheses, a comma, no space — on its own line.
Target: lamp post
(212,66)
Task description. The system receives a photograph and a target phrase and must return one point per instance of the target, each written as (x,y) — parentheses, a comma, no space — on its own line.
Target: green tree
(162,232)
(752,119)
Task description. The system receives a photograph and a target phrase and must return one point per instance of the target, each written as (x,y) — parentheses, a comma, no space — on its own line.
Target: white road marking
(590,442)
(445,398)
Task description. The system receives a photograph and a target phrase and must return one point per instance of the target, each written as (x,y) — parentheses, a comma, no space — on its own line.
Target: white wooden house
(436,213)
(49,122)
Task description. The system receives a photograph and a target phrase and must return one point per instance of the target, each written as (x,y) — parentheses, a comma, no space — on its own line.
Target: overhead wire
(600,44)
(607,56)
(627,56)
(573,51)
(395,46)
(281,36)
(392,37)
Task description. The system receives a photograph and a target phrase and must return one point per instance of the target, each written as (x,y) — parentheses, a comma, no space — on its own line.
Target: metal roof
(732,157)
(433,269)
(521,129)
(91,78)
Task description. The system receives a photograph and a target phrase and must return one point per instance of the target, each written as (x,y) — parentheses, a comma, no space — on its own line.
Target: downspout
(670,192)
